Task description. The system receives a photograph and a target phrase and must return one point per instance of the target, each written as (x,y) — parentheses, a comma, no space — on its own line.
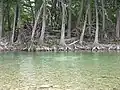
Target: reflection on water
(59,71)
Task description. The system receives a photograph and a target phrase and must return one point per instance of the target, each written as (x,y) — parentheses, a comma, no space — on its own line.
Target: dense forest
(59,24)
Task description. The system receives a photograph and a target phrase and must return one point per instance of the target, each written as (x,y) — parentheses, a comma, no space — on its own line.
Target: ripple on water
(60,71)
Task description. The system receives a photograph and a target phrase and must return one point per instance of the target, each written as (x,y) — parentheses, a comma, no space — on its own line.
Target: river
(59,71)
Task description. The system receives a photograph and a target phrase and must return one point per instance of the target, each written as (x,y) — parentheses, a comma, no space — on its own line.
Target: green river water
(59,71)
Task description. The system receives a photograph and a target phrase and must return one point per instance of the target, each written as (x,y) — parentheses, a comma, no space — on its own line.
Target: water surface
(59,71)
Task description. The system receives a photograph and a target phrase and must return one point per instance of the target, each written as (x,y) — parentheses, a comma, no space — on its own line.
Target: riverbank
(23,42)
(75,47)
(6,46)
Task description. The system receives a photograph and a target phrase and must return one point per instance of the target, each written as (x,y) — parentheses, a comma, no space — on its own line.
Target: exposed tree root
(73,42)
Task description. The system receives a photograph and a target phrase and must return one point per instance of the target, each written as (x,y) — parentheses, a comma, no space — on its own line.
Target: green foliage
(29,9)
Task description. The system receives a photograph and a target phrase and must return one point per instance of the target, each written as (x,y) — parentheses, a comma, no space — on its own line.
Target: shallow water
(59,71)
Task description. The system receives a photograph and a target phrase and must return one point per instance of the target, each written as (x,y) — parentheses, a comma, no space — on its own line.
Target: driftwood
(73,42)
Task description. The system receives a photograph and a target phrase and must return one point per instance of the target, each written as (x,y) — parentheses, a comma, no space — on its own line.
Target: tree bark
(85,22)
(118,25)
(69,20)
(36,21)
(41,41)
(16,15)
(80,14)
(103,18)
(89,16)
(62,39)
(8,16)
(1,18)
(97,25)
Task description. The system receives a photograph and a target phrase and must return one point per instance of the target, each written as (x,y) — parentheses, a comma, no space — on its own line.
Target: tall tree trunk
(16,15)
(19,17)
(118,25)
(69,20)
(97,25)
(1,18)
(35,25)
(8,16)
(41,41)
(85,22)
(80,13)
(62,39)
(89,16)
(103,19)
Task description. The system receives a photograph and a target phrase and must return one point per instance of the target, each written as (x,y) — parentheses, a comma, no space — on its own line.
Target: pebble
(56,86)
(44,86)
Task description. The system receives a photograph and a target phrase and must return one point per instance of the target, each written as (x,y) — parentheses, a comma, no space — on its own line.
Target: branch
(73,42)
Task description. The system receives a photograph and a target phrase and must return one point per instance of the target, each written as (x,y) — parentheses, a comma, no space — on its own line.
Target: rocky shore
(6,46)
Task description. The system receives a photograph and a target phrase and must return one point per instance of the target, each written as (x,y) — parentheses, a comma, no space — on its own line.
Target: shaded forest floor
(51,42)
